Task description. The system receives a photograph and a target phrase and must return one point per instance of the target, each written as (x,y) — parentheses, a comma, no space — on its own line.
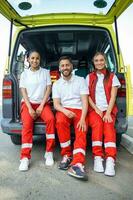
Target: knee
(27,125)
(109,126)
(60,118)
(50,119)
(97,124)
(60,121)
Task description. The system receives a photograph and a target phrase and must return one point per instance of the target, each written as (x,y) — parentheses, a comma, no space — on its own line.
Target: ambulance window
(21,56)
(79,42)
(110,58)
(21,61)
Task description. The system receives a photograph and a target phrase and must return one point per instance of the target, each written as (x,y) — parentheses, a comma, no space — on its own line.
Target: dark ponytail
(28,53)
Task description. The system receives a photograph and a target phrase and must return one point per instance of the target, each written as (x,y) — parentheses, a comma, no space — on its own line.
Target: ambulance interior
(80,43)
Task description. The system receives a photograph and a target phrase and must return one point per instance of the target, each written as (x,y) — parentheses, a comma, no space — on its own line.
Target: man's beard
(68,74)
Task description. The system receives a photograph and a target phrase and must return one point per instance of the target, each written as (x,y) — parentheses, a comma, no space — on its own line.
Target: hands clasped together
(106,117)
(35,114)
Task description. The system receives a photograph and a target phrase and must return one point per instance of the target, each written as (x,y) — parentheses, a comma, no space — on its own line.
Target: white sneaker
(98,164)
(24,164)
(49,158)
(110,164)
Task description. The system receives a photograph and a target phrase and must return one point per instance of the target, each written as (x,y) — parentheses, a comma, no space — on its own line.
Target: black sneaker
(64,164)
(77,171)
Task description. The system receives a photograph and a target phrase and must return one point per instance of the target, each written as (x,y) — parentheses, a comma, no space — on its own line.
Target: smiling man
(70,100)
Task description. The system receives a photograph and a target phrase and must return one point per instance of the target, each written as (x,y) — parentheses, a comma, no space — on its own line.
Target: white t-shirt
(69,92)
(100,96)
(35,83)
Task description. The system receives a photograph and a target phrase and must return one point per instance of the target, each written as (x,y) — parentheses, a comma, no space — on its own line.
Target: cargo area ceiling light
(100,3)
(25,5)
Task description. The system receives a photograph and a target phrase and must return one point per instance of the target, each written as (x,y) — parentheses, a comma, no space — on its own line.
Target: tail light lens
(7,89)
(54,75)
(122,89)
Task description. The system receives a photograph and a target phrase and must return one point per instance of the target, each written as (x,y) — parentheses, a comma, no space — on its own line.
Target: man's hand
(69,113)
(81,125)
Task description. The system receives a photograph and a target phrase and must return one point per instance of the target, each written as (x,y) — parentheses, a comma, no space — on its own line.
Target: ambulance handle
(10,42)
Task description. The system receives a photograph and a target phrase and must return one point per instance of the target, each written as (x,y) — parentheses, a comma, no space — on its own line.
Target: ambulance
(68,27)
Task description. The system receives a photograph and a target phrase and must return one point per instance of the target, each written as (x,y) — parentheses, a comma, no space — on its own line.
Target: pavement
(127,138)
(48,183)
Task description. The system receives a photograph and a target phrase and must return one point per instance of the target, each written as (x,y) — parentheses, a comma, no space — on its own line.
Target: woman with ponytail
(35,87)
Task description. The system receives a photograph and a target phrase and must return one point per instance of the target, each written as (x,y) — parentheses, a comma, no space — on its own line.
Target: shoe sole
(23,170)
(63,168)
(85,178)
(111,175)
(49,165)
(99,171)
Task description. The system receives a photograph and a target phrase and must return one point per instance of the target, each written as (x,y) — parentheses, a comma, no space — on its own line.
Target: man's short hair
(65,58)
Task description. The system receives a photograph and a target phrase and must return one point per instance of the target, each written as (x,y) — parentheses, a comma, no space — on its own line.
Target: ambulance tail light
(7,89)
(54,75)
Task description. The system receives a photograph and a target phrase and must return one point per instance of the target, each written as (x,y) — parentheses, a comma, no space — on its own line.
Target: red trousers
(27,130)
(63,124)
(102,131)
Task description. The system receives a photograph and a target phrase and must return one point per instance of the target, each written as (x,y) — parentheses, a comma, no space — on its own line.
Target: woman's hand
(107,118)
(99,112)
(39,110)
(32,113)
